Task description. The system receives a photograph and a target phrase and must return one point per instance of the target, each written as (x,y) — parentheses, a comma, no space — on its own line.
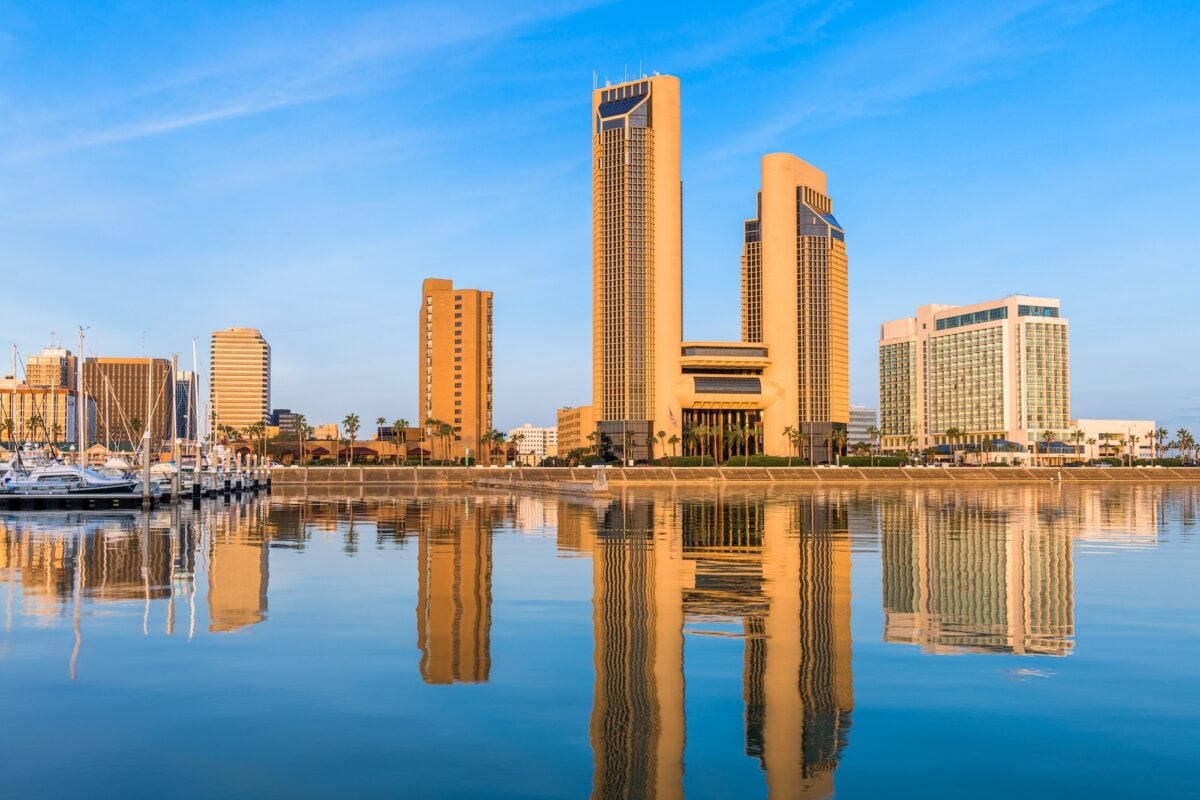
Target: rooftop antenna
(626,74)
(640,73)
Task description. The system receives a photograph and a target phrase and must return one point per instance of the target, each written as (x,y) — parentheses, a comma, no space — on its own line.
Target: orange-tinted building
(129,390)
(637,261)
(240,391)
(454,377)
(792,369)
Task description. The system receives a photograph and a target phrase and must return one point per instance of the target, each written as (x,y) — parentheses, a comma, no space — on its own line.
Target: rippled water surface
(1021,641)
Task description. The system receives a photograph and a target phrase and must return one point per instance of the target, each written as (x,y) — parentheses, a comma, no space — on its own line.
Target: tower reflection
(454,591)
(781,568)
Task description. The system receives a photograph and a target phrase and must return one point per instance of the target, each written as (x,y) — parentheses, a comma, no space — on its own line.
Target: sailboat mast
(80,404)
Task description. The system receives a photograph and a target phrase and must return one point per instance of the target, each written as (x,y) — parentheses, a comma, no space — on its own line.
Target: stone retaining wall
(432,477)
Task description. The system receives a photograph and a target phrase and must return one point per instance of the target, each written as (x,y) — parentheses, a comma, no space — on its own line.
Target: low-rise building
(1113,438)
(862,419)
(575,424)
(41,414)
(329,430)
(534,444)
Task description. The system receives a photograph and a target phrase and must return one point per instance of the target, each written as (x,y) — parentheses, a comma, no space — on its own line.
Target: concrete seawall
(582,480)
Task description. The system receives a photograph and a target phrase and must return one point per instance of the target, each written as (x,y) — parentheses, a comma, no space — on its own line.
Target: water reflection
(962,571)
(977,572)
(781,569)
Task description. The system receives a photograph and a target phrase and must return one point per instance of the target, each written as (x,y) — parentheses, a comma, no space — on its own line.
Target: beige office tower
(795,300)
(454,376)
(240,390)
(996,372)
(128,391)
(637,275)
(53,368)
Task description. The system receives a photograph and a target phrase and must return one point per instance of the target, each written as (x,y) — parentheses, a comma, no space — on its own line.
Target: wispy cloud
(268,72)
(905,58)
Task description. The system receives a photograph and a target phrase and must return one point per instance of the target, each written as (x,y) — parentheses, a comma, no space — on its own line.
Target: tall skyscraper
(795,300)
(187,406)
(637,261)
(240,394)
(996,372)
(454,376)
(128,391)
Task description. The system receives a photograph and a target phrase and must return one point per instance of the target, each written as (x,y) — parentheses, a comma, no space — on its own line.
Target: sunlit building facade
(240,394)
(130,394)
(454,374)
(53,368)
(795,300)
(637,261)
(996,372)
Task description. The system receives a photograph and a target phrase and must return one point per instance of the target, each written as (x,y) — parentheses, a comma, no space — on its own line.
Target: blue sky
(170,169)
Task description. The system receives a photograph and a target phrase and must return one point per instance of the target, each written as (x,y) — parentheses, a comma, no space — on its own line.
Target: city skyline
(259,185)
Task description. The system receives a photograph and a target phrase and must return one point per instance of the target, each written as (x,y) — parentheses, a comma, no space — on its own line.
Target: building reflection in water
(454,592)
(53,563)
(979,571)
(781,568)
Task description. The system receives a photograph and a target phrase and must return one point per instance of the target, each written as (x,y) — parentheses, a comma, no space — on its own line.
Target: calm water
(1023,641)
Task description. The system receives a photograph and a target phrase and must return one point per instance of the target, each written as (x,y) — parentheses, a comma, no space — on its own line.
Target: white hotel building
(996,371)
(534,444)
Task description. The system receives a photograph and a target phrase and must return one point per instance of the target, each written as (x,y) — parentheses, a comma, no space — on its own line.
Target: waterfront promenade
(580,478)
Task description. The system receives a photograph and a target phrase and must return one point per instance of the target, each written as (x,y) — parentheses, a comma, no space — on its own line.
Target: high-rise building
(130,394)
(637,261)
(989,377)
(454,376)
(187,413)
(240,394)
(53,368)
(795,301)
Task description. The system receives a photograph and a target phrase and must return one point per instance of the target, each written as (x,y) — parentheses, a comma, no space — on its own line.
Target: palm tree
(789,433)
(1047,438)
(1077,437)
(8,426)
(662,443)
(445,431)
(873,433)
(1184,437)
(952,436)
(736,436)
(592,439)
(1133,442)
(695,434)
(1091,443)
(673,441)
(1160,436)
(301,433)
(351,422)
(798,444)
(517,439)
(398,429)
(910,442)
(837,443)
(379,423)
(498,438)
